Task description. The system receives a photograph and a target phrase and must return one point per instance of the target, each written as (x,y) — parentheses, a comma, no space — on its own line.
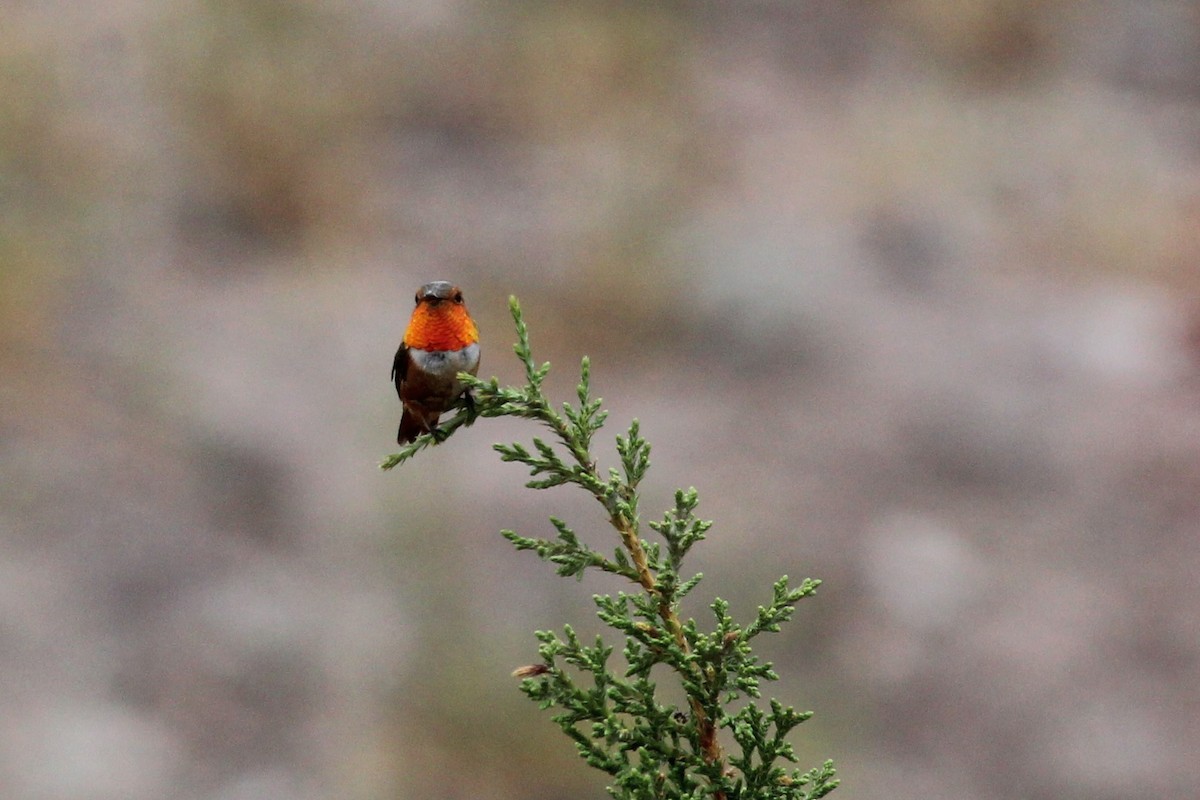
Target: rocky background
(908,289)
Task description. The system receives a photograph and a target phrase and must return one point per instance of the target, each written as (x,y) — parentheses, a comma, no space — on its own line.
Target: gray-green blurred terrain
(910,290)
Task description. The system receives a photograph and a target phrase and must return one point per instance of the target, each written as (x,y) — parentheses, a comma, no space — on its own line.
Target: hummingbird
(440,342)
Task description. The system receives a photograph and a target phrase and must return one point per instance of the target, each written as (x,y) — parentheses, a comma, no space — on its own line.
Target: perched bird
(440,342)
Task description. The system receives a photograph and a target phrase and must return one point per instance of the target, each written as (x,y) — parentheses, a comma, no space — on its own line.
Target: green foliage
(613,713)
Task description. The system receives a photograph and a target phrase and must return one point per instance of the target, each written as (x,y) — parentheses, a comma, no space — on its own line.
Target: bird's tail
(411,426)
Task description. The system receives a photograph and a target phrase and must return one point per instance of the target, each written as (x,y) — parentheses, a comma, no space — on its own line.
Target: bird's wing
(400,367)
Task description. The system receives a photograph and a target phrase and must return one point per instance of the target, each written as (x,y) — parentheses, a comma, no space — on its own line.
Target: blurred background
(908,289)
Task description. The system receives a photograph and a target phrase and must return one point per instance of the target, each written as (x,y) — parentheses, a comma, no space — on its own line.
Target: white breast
(447,362)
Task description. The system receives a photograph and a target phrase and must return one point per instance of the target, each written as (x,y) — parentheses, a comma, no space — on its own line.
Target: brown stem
(710,748)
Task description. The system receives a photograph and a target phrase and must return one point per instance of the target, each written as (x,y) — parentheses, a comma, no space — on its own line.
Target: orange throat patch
(442,327)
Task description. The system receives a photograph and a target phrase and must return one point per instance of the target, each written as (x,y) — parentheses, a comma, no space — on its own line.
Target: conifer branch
(615,719)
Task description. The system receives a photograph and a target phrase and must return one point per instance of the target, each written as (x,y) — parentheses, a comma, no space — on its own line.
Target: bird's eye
(458,297)
(417,299)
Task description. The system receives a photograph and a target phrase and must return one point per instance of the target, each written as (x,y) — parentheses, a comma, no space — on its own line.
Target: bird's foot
(469,405)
